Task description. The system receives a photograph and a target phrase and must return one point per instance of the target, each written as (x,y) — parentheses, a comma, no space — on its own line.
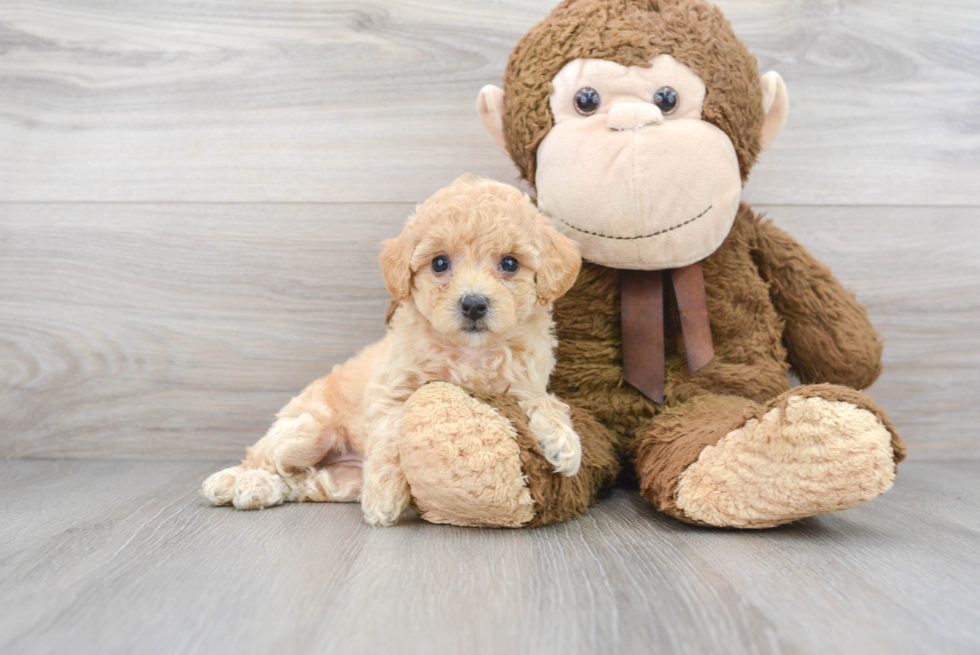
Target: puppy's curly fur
(476,230)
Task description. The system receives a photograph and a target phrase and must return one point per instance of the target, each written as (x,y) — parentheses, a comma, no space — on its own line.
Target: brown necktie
(643,326)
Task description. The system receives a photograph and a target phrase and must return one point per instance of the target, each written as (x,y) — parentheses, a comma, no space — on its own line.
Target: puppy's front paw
(558,440)
(383,504)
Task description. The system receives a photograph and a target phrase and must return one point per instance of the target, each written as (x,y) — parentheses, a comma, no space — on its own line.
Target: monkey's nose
(633,115)
(473,306)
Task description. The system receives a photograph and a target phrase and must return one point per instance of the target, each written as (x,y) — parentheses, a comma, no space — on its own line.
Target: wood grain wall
(192,194)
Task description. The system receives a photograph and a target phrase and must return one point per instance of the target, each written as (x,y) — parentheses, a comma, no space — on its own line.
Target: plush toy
(637,122)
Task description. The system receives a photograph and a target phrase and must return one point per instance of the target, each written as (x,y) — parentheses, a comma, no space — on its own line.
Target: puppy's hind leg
(283,465)
(276,468)
(337,477)
(334,484)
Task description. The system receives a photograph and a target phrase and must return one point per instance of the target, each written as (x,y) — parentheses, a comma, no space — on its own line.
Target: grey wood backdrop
(192,194)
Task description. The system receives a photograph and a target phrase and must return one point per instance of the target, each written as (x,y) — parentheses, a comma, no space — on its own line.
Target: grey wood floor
(125,557)
(192,193)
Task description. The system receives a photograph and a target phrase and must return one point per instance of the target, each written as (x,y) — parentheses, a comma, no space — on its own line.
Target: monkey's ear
(560,264)
(775,105)
(396,264)
(490,107)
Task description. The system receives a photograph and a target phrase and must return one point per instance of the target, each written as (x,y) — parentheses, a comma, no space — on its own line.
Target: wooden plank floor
(125,557)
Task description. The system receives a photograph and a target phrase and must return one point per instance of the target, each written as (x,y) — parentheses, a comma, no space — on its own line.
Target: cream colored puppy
(474,274)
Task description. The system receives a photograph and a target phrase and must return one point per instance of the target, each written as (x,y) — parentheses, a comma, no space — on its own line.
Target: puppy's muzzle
(474,306)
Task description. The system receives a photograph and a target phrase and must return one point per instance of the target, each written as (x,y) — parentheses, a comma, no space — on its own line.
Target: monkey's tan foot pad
(246,488)
(462,460)
(806,455)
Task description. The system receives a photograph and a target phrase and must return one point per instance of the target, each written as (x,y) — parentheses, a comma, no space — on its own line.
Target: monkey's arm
(828,334)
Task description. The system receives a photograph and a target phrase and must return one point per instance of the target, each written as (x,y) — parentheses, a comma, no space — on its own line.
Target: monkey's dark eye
(587,101)
(440,264)
(508,264)
(666,99)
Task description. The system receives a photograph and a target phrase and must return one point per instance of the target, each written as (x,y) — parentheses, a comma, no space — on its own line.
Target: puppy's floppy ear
(560,263)
(396,264)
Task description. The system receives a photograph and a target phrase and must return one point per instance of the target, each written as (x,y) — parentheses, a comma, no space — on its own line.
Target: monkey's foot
(471,459)
(462,460)
(816,450)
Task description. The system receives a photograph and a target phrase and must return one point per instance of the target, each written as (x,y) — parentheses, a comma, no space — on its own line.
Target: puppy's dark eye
(666,99)
(508,264)
(587,101)
(440,264)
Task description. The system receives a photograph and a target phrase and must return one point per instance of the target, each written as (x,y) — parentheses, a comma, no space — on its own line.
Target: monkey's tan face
(630,171)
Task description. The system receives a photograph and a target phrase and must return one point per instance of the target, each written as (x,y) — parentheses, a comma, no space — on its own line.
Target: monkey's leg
(730,462)
(471,460)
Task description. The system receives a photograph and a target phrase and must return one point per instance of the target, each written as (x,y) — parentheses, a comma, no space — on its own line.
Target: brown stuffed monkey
(637,122)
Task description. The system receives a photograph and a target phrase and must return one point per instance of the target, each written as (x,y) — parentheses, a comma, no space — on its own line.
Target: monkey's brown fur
(631,33)
(758,282)
(771,305)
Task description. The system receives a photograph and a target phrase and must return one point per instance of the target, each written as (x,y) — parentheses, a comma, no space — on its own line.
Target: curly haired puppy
(474,274)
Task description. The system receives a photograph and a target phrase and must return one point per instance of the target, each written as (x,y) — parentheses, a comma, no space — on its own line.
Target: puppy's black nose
(474,307)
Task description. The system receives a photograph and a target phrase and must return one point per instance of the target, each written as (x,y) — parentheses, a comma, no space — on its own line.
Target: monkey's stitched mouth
(642,236)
